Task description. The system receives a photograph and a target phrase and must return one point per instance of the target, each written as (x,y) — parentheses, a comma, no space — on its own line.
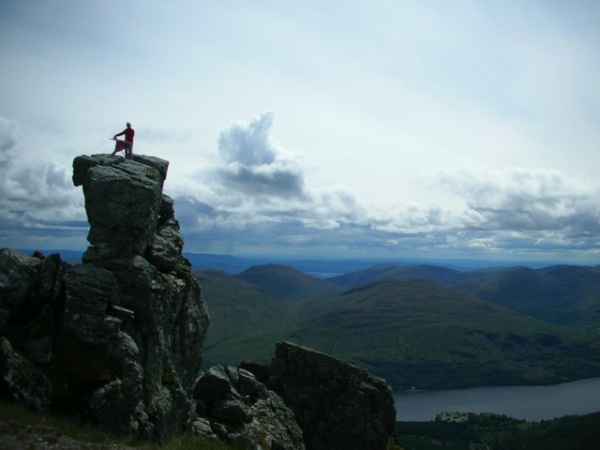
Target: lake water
(532,403)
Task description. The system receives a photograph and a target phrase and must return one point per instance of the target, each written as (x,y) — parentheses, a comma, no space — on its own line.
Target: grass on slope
(568,295)
(287,283)
(418,333)
(240,309)
(439,274)
(50,430)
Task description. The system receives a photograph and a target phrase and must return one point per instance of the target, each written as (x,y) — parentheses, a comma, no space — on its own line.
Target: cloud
(38,201)
(255,163)
(527,200)
(8,140)
(255,198)
(245,202)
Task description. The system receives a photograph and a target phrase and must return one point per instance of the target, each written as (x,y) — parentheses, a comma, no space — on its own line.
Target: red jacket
(129,133)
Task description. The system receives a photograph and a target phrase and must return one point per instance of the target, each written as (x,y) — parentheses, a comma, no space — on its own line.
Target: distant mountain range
(424,326)
(566,295)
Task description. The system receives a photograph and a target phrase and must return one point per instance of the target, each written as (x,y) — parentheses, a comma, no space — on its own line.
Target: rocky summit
(117,340)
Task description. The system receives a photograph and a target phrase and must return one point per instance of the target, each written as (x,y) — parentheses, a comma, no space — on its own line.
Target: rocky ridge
(117,340)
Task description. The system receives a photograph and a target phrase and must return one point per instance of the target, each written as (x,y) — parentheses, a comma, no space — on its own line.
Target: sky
(327,129)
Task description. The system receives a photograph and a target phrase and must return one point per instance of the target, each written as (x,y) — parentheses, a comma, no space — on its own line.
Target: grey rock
(337,405)
(89,291)
(51,272)
(40,350)
(123,314)
(242,410)
(21,381)
(260,371)
(211,386)
(118,338)
(83,163)
(231,410)
(159,164)
(19,278)
(167,210)
(201,427)
(165,250)
(157,321)
(125,225)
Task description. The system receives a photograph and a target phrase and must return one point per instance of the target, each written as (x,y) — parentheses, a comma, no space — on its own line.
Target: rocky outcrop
(118,338)
(337,405)
(235,407)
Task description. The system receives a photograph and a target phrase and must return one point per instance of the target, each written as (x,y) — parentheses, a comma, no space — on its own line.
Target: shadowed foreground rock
(337,405)
(118,339)
(234,406)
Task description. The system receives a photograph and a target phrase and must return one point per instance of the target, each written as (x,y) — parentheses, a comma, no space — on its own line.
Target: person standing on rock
(126,144)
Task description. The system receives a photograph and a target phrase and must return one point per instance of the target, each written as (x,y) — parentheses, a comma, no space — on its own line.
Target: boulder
(21,381)
(337,405)
(19,279)
(235,407)
(122,202)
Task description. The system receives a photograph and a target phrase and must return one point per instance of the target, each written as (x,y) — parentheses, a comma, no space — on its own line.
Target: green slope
(287,283)
(439,274)
(415,332)
(237,309)
(568,295)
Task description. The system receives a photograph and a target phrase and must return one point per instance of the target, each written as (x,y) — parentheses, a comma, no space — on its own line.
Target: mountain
(233,264)
(568,295)
(561,294)
(287,283)
(226,263)
(237,307)
(257,302)
(439,274)
(416,332)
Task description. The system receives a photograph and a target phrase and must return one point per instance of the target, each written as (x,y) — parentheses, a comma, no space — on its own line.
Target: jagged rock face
(235,407)
(337,405)
(118,338)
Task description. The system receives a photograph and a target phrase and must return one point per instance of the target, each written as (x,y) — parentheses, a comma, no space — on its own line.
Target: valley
(424,326)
